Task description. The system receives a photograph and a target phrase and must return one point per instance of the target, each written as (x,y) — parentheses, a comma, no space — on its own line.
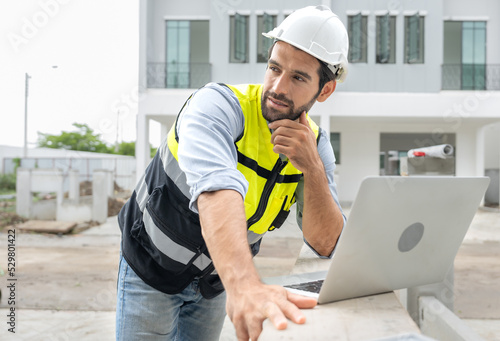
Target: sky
(94,45)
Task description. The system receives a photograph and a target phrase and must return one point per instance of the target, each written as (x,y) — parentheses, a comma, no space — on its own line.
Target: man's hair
(324,72)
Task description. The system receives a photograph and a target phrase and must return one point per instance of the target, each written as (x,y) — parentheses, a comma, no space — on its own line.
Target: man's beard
(271,114)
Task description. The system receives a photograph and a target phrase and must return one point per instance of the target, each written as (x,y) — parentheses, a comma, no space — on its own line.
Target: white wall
(492,146)
(252,72)
(359,144)
(174,10)
(375,98)
(360,147)
(362,117)
(398,77)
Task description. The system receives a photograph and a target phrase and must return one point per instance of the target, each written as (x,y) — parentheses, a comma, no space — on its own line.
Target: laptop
(401,232)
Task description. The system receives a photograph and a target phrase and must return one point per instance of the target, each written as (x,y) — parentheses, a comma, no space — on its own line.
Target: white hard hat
(319,32)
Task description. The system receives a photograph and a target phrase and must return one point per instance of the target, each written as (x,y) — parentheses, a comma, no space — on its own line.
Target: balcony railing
(470,77)
(178,75)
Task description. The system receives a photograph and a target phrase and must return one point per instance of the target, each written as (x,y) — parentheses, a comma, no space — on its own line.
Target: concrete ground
(66,285)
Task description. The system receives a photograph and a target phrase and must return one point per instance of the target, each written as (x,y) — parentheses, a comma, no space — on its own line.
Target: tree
(128,148)
(86,140)
(83,140)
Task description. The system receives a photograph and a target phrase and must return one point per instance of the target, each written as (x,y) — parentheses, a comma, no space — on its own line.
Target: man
(237,158)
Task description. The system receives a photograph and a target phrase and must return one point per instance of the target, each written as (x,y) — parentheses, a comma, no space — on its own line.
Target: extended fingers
(249,326)
(292,312)
(288,308)
(279,307)
(302,302)
(275,315)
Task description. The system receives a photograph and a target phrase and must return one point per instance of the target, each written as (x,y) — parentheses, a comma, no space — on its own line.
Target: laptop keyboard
(313,286)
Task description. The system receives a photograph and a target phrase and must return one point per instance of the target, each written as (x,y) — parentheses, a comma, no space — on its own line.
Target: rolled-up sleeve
(207,128)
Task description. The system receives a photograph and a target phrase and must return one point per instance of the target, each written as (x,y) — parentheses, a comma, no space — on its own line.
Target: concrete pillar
(467,152)
(142,144)
(143,48)
(163,131)
(37,180)
(48,180)
(23,192)
(74,186)
(110,179)
(443,291)
(325,124)
(440,323)
(99,196)
(480,151)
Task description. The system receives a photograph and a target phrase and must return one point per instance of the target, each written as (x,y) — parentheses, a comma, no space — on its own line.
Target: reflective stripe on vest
(170,248)
(147,204)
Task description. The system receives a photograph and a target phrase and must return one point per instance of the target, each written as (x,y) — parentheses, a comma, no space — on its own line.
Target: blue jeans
(144,313)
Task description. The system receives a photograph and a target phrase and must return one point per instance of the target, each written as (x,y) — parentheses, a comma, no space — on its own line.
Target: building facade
(421,73)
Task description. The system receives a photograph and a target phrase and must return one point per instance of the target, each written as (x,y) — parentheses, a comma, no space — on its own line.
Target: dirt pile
(8,216)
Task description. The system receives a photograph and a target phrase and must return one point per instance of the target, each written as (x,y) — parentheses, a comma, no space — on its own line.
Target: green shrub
(7,182)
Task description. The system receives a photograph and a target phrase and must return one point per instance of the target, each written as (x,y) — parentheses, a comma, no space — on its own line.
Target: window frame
(265,23)
(177,70)
(239,38)
(390,39)
(358,42)
(414,41)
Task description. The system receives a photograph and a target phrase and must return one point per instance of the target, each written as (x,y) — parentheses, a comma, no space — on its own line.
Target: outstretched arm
(249,301)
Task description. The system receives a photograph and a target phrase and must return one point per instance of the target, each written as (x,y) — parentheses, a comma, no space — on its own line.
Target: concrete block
(74,186)
(100,196)
(75,212)
(110,183)
(44,210)
(38,180)
(23,192)
(44,226)
(492,197)
(431,166)
(48,180)
(443,291)
(438,322)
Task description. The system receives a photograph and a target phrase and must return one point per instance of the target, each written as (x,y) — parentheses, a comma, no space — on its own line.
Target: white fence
(122,167)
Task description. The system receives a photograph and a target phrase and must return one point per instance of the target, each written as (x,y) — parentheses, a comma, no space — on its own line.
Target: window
(473,55)
(335,142)
(464,56)
(414,39)
(186,56)
(386,39)
(238,38)
(357,25)
(265,23)
(177,68)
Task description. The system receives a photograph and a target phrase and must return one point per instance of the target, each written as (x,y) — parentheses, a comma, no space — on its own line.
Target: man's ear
(327,90)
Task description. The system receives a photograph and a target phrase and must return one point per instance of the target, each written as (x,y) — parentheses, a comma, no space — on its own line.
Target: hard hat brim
(332,66)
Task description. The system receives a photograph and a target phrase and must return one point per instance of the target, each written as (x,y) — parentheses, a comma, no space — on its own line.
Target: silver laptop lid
(401,232)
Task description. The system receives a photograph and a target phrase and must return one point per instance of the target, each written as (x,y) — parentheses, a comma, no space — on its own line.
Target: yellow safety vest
(162,239)
(272,182)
